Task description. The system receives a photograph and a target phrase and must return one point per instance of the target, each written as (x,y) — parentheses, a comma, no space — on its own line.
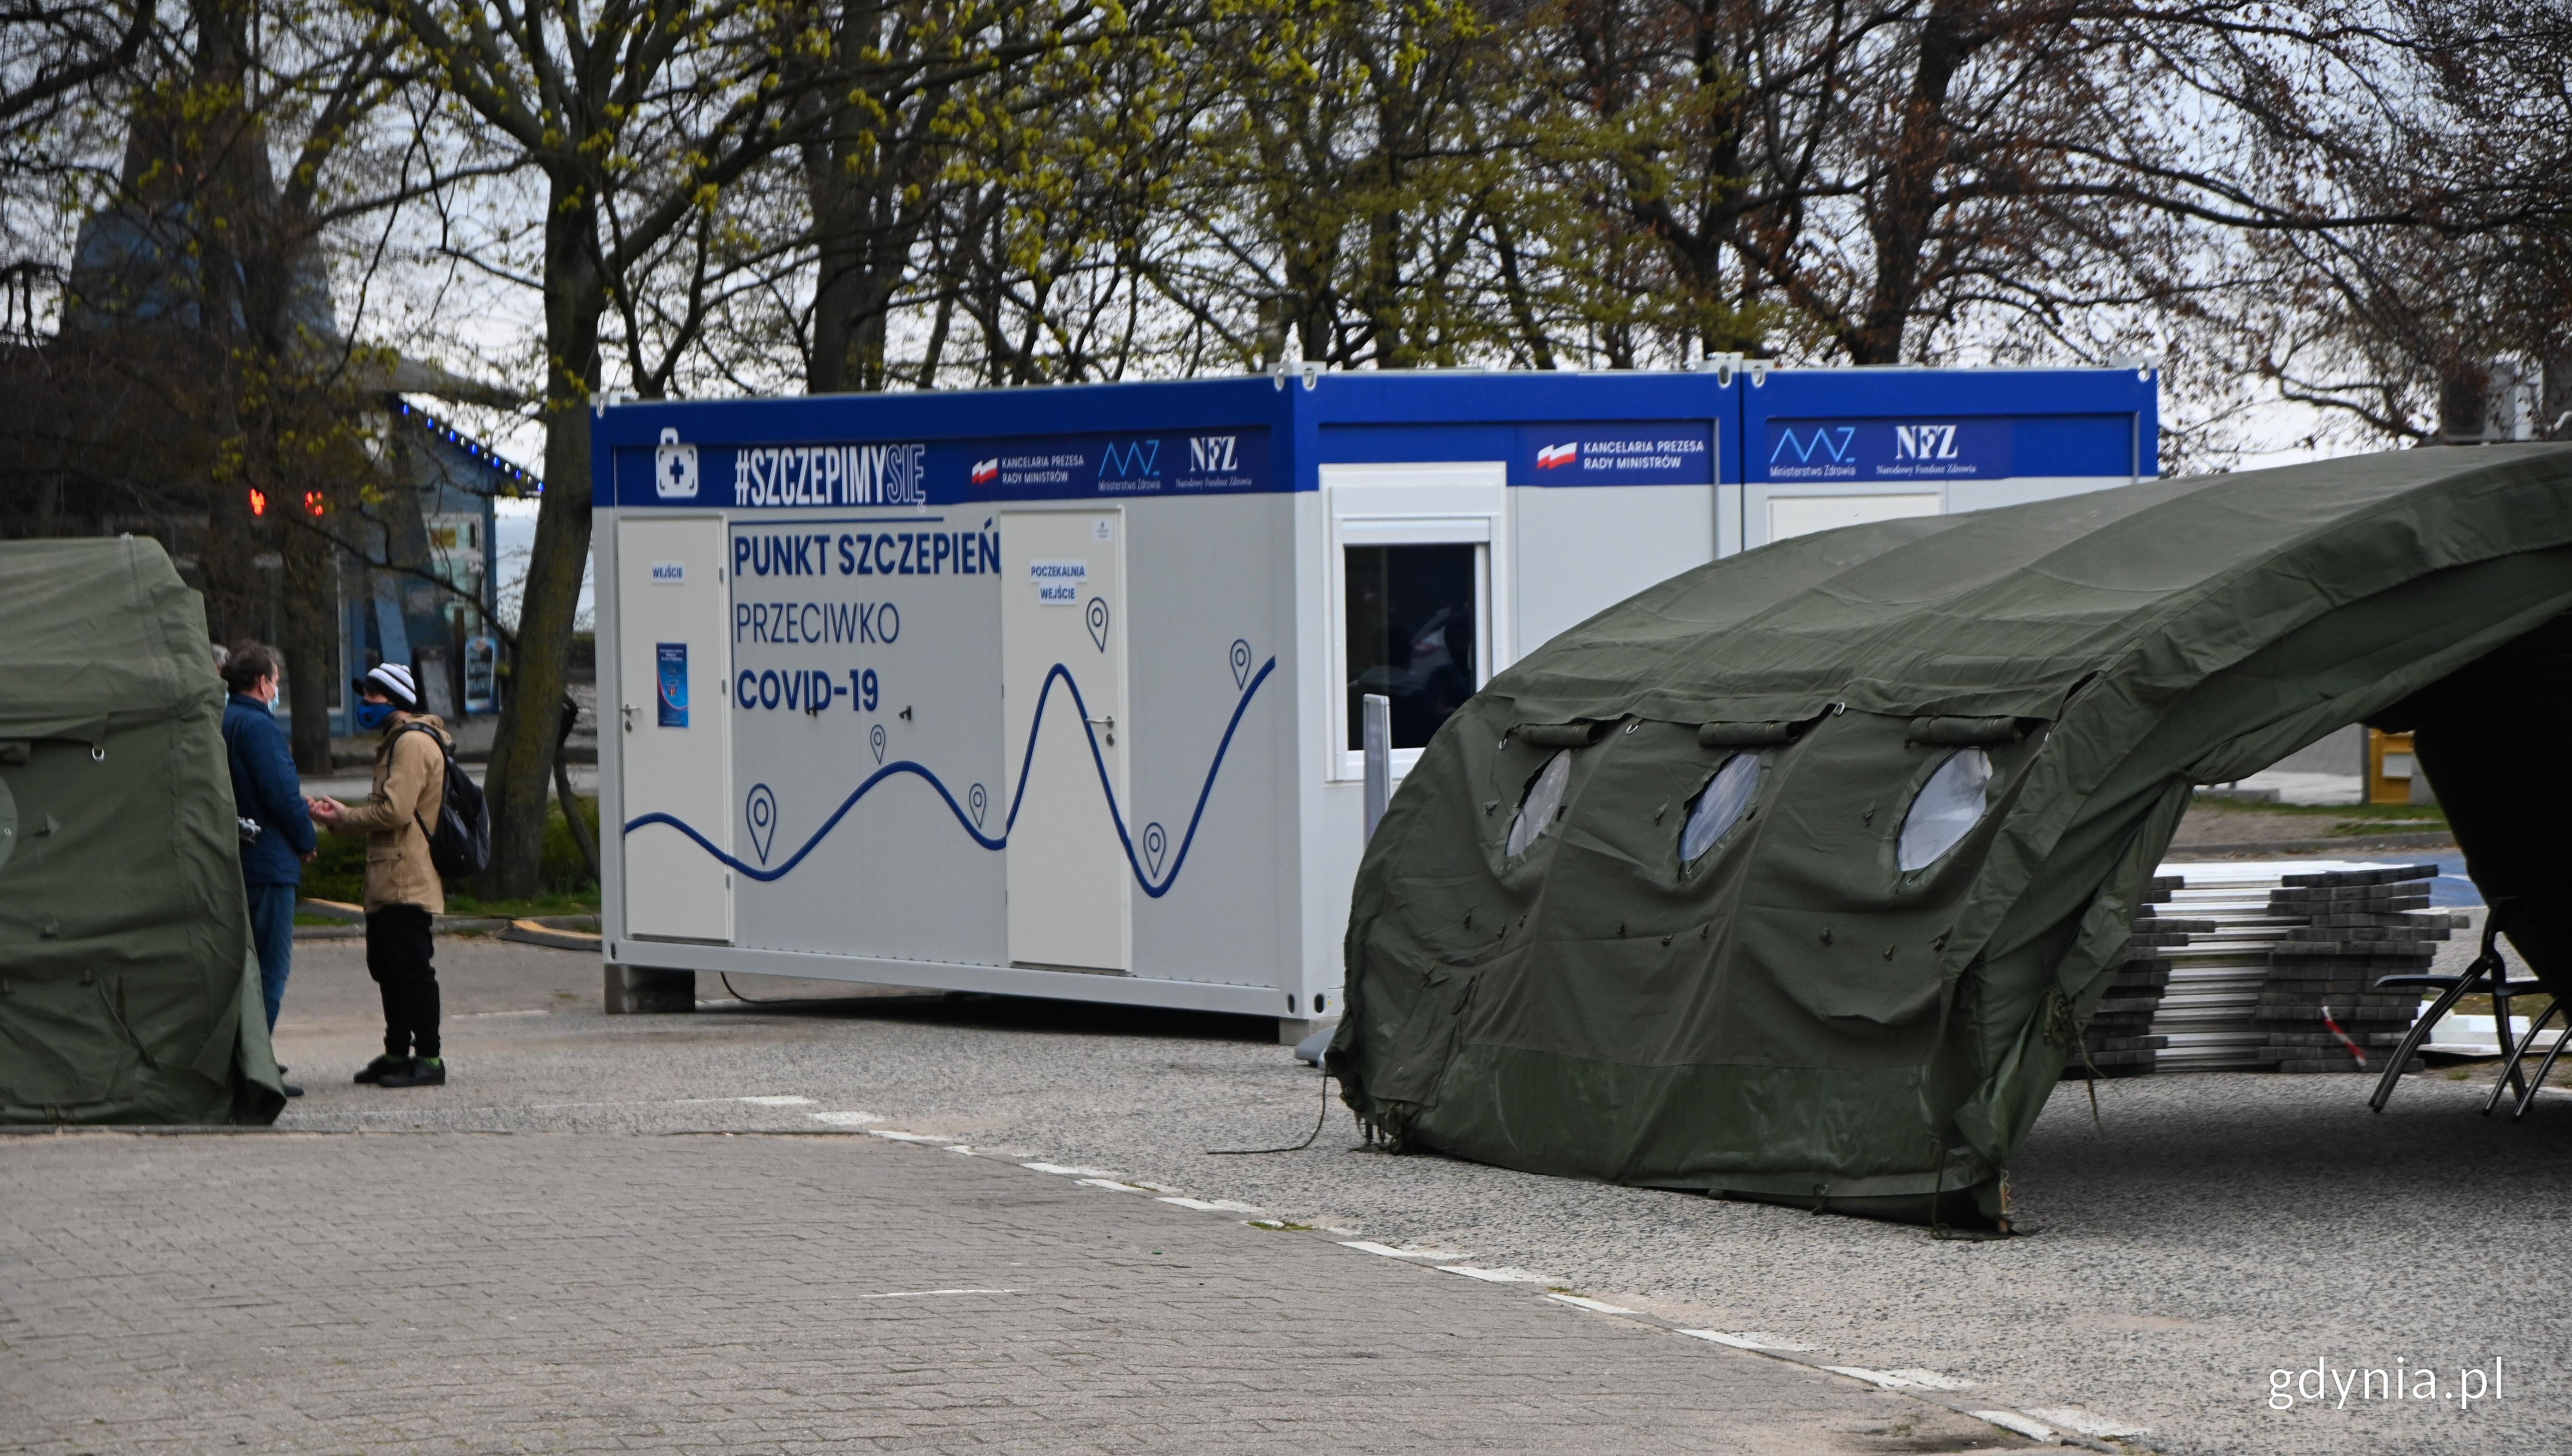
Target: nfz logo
(1831,440)
(1924,442)
(1214,452)
(1130,462)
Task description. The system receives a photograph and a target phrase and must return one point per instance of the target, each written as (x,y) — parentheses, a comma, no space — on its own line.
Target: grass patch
(2368,816)
(338,873)
(583,901)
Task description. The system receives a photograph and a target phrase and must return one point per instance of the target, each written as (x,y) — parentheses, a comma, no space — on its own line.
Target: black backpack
(460,845)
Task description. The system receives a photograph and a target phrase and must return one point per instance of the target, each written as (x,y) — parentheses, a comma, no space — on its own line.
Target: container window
(1949,805)
(1544,800)
(1720,807)
(1411,635)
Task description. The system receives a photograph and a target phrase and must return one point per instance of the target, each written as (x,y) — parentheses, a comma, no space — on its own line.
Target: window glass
(1411,626)
(1720,805)
(1544,798)
(1948,805)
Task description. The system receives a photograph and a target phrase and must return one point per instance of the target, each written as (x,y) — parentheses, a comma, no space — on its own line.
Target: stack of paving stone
(2119,1040)
(2358,925)
(2207,1013)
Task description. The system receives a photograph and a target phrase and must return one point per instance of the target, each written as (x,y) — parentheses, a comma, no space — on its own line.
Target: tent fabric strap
(1562,735)
(1966,731)
(1748,734)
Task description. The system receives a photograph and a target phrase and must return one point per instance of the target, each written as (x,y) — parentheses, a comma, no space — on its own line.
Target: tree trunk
(1948,38)
(2554,393)
(310,637)
(523,751)
(2465,401)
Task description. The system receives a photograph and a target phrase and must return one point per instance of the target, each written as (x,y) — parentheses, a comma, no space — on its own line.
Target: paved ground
(569,1292)
(2224,1227)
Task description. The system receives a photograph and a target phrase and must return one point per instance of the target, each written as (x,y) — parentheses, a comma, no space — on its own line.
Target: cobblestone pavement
(2222,1228)
(763,1293)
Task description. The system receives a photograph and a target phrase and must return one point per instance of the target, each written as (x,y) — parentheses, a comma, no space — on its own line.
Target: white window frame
(1412,505)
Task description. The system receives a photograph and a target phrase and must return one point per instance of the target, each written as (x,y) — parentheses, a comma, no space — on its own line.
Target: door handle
(625,710)
(1108,722)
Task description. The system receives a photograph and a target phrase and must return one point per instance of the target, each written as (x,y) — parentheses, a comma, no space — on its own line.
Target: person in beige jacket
(403,892)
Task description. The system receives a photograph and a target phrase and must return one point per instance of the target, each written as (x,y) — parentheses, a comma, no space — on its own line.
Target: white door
(673,659)
(1801,513)
(1062,607)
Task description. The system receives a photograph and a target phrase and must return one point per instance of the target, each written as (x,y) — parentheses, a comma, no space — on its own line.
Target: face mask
(373,714)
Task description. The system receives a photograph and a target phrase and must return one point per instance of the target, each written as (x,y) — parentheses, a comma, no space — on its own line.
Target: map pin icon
(980,800)
(1155,839)
(1240,663)
(1098,622)
(874,741)
(762,812)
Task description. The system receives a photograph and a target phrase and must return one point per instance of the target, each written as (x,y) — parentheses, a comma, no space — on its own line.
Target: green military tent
(129,992)
(1794,876)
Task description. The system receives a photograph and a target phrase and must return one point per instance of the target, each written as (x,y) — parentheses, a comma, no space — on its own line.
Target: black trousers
(398,946)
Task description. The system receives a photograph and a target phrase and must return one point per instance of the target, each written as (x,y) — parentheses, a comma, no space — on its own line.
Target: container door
(672,660)
(1063,665)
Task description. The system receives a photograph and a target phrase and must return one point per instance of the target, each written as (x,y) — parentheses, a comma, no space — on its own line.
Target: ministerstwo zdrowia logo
(1138,460)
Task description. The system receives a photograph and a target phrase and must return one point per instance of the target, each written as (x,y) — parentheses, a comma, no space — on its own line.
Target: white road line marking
(843,1119)
(1748,1339)
(2009,1420)
(677,1101)
(2088,1423)
(1595,1305)
(2067,1418)
(1903,1379)
(492,1015)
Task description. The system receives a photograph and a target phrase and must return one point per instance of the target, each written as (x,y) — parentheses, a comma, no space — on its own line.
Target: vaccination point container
(1056,691)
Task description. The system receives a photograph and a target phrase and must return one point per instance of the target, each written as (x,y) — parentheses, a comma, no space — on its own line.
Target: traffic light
(259,503)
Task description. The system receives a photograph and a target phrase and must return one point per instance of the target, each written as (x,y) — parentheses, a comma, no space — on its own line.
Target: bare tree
(637,115)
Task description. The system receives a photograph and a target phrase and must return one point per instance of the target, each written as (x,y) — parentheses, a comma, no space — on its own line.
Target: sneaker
(422,1072)
(375,1070)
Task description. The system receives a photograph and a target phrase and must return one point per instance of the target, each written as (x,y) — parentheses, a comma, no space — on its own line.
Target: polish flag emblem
(1553,457)
(986,471)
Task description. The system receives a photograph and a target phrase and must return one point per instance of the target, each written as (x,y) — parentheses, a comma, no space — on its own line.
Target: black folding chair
(2527,1044)
(2489,974)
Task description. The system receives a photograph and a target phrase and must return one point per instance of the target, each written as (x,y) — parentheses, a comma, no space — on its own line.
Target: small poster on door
(673,692)
(1058,582)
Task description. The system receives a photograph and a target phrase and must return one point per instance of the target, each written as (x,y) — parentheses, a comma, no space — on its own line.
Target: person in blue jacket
(266,793)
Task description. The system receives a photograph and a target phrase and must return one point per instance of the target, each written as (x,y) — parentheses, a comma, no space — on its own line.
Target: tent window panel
(1411,629)
(1542,802)
(1949,806)
(1720,807)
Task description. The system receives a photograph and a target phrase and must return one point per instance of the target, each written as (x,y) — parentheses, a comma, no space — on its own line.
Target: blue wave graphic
(1116,811)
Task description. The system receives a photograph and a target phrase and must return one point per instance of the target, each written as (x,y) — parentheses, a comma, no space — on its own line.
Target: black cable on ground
(1298,1147)
(737,996)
